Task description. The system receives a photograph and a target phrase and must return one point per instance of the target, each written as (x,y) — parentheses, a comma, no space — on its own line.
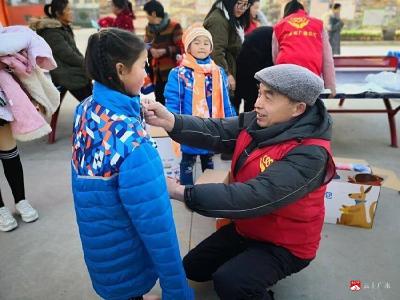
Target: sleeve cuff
(178,125)
(187,196)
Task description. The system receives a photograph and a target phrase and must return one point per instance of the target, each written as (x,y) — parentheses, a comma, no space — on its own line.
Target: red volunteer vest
(297,226)
(300,41)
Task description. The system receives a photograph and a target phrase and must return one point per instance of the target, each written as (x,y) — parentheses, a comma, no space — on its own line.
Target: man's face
(274,108)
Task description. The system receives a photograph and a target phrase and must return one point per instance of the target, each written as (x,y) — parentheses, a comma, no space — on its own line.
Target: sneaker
(27,212)
(7,221)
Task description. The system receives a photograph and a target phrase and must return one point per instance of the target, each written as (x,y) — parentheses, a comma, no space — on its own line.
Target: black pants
(240,268)
(80,94)
(159,91)
(187,163)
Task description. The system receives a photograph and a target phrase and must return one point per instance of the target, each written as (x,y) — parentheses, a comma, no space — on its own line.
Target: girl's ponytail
(55,8)
(47,10)
(130,8)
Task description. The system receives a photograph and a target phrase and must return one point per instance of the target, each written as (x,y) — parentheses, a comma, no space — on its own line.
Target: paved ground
(43,260)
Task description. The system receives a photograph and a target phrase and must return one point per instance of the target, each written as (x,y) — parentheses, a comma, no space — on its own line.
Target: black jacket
(255,55)
(70,72)
(300,172)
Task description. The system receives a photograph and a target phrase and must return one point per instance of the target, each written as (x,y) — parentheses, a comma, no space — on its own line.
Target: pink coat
(28,124)
(21,37)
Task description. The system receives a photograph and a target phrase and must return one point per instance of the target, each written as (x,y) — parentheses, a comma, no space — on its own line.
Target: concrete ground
(44,260)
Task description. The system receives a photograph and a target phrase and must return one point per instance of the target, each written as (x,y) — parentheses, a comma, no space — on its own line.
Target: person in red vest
(302,40)
(282,162)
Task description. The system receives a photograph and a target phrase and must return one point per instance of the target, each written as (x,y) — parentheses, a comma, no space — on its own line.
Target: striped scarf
(199,101)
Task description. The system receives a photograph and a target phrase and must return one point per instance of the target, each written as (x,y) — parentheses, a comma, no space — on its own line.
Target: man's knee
(194,270)
(230,286)
(225,285)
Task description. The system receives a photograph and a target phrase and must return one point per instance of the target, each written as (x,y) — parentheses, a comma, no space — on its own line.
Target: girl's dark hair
(156,6)
(108,47)
(292,7)
(244,19)
(123,4)
(55,8)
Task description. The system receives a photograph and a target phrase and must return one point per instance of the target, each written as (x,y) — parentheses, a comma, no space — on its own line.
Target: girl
(14,174)
(254,22)
(124,16)
(200,88)
(121,199)
(302,40)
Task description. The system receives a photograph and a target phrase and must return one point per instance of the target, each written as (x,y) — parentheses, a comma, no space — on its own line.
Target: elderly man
(281,164)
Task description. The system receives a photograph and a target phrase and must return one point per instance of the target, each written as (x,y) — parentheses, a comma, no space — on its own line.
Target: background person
(302,40)
(226,21)
(200,88)
(164,37)
(56,30)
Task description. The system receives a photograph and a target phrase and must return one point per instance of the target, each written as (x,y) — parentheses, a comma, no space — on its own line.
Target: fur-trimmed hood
(43,23)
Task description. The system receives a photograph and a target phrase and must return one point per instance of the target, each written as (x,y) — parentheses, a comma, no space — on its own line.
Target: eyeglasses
(243,5)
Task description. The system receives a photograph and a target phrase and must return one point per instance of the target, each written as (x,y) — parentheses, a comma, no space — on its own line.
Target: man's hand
(232,82)
(175,190)
(156,114)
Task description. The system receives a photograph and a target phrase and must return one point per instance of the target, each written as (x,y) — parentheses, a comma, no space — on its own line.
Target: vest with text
(300,41)
(297,226)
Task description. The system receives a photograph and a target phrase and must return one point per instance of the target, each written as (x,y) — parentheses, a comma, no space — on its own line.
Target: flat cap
(293,81)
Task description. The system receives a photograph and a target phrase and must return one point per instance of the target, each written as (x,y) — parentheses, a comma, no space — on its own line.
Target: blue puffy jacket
(178,95)
(121,200)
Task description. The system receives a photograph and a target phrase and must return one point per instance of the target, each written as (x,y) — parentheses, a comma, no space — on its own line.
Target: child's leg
(206,162)
(12,163)
(186,167)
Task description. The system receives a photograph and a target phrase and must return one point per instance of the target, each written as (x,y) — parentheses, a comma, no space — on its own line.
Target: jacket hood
(314,123)
(44,23)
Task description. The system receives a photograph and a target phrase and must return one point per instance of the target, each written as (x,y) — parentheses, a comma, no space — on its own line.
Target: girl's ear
(120,69)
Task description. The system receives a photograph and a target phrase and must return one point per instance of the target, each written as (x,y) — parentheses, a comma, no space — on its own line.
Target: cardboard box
(202,227)
(351,198)
(169,153)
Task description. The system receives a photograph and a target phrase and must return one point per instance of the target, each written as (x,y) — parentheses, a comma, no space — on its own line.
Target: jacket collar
(116,101)
(156,28)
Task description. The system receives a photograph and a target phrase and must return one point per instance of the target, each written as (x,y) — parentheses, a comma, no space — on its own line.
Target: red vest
(297,226)
(300,41)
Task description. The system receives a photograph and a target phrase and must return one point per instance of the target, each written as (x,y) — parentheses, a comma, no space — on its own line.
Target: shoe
(27,212)
(7,221)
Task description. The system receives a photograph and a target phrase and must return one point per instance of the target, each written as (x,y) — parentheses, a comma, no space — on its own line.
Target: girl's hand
(175,190)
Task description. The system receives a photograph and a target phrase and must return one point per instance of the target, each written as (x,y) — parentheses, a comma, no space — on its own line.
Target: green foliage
(361,35)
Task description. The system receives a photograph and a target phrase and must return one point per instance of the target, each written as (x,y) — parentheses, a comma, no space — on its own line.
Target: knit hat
(295,82)
(193,32)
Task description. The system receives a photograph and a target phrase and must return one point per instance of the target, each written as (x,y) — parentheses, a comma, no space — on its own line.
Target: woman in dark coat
(226,21)
(70,74)
(254,56)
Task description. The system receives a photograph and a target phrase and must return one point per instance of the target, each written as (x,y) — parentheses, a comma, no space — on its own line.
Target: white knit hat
(193,32)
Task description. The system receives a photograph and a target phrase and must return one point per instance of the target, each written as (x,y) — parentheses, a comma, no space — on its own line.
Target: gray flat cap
(295,82)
